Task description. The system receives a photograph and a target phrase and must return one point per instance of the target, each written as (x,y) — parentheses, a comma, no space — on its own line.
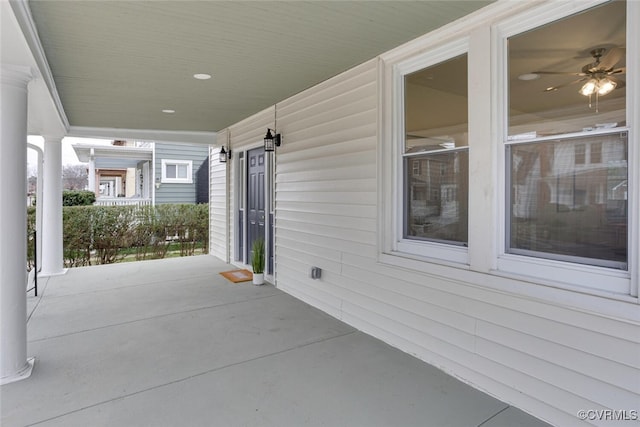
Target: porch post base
(22,374)
(54,273)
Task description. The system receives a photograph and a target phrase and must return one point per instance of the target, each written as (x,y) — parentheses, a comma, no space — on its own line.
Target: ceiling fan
(599,76)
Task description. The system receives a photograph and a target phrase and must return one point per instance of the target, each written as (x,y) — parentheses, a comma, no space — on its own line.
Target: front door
(255,197)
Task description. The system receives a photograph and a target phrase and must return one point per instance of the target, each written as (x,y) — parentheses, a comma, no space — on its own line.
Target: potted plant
(257,261)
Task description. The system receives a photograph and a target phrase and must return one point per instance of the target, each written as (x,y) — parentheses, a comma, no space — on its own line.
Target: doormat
(237,276)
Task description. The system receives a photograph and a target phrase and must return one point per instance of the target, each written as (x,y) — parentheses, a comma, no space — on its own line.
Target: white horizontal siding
(545,356)
(360,211)
(614,379)
(318,298)
(595,368)
(326,187)
(250,132)
(218,230)
(314,219)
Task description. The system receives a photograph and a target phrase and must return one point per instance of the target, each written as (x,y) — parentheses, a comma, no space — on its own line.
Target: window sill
(176,181)
(575,277)
(432,252)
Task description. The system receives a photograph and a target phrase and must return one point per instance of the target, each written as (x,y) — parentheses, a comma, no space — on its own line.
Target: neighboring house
(175,172)
(462,207)
(143,173)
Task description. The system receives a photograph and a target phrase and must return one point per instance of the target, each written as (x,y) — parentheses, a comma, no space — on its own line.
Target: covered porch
(119,175)
(171,342)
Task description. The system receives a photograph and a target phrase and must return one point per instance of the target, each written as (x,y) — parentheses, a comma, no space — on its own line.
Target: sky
(68,155)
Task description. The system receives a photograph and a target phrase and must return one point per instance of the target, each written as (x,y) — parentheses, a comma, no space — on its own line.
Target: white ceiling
(561,47)
(117,64)
(564,46)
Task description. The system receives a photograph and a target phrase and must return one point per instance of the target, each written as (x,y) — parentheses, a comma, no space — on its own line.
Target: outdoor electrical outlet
(316,273)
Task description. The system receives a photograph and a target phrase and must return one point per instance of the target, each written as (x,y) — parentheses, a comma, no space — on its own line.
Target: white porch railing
(104,201)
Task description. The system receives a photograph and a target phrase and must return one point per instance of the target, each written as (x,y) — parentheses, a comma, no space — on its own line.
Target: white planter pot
(258,279)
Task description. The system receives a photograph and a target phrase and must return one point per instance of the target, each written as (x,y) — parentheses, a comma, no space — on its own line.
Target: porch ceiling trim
(191,137)
(25,20)
(84,152)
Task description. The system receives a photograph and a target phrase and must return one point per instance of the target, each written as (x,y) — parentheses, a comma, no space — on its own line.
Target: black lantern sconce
(224,155)
(271,141)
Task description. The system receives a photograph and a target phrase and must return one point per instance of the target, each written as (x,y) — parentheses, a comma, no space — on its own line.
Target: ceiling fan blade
(612,57)
(618,71)
(554,88)
(559,73)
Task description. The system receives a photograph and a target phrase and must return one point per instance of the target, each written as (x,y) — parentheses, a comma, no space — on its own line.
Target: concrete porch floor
(173,343)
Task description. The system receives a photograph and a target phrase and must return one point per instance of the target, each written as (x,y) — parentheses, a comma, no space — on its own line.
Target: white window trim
(187,180)
(558,273)
(487,248)
(397,245)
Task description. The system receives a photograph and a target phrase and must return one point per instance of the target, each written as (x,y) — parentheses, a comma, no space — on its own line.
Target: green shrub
(106,234)
(77,235)
(78,198)
(142,234)
(31,227)
(111,231)
(201,226)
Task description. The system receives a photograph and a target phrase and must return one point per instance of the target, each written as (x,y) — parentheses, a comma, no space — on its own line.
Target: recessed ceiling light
(169,111)
(529,76)
(202,76)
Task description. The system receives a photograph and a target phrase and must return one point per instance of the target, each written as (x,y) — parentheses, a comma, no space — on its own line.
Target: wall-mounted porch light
(157,182)
(224,155)
(271,141)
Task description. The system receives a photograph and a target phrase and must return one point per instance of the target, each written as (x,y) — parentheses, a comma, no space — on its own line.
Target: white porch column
(92,171)
(52,260)
(14,364)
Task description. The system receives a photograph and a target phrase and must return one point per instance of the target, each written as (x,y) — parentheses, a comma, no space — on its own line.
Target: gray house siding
(178,192)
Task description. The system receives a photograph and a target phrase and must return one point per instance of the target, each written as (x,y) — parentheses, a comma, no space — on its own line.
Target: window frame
(177,163)
(564,274)
(488,266)
(565,138)
(425,250)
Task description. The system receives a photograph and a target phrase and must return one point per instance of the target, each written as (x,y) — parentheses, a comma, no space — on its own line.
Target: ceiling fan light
(589,88)
(605,86)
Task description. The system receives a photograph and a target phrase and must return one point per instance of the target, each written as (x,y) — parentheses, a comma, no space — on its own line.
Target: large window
(435,153)
(510,149)
(567,140)
(553,67)
(563,208)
